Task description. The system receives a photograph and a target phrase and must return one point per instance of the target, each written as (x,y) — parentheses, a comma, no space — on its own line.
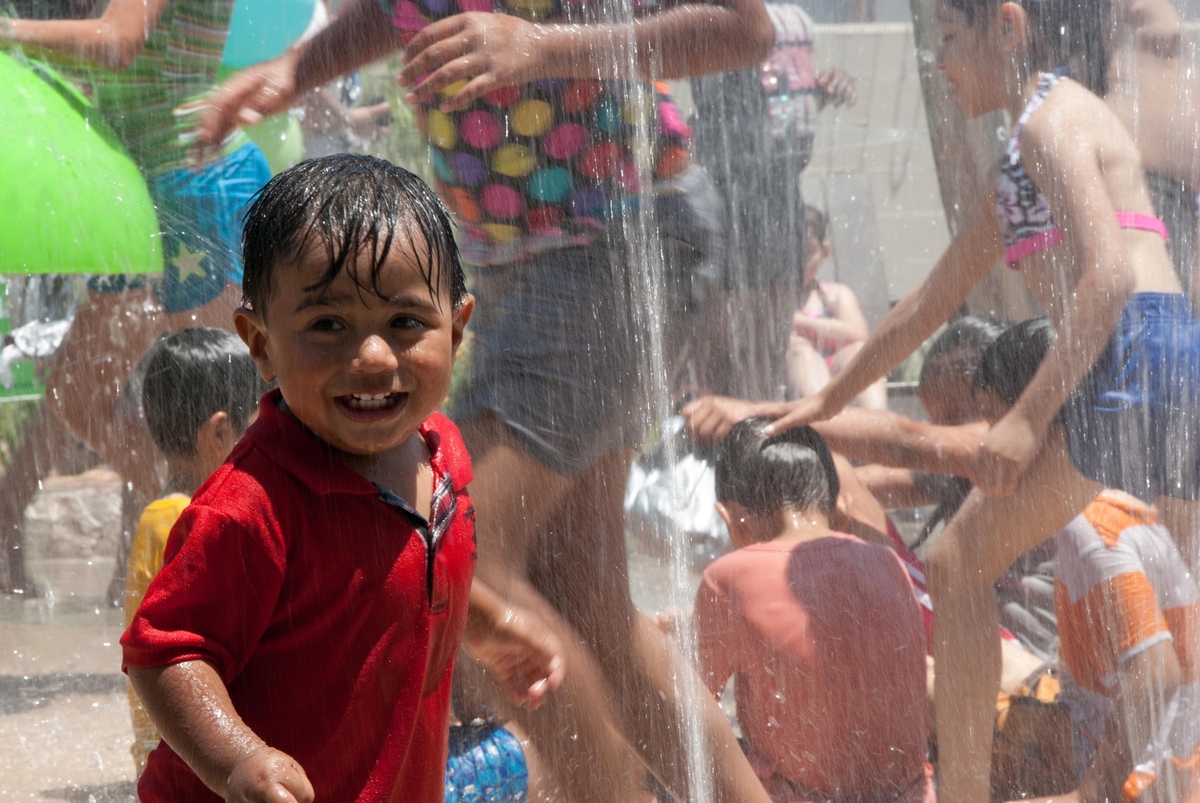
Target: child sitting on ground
(199,394)
(300,639)
(820,630)
(1128,615)
(828,328)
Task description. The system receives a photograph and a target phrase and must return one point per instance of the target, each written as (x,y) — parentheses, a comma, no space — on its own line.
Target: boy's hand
(1006,451)
(267,775)
(483,51)
(515,646)
(246,98)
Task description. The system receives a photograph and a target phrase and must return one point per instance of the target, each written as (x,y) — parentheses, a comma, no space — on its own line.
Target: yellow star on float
(187,263)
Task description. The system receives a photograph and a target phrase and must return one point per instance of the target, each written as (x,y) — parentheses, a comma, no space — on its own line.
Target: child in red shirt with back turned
(819,629)
(301,637)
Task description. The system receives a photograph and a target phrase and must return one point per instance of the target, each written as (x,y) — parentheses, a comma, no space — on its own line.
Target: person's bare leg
(1182,518)
(573,731)
(807,372)
(585,576)
(41,440)
(110,333)
(980,542)
(875,396)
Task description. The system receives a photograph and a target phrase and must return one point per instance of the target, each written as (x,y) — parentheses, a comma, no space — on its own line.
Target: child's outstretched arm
(494,50)
(514,645)
(191,708)
(113,41)
(360,34)
(970,256)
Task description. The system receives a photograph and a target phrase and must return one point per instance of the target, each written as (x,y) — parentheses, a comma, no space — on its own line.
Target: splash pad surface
(74,201)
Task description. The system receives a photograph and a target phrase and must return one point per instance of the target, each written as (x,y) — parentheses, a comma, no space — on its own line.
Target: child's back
(820,630)
(826,643)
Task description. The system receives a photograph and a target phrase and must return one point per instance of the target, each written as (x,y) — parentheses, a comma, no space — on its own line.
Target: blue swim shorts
(486,765)
(1133,423)
(200,214)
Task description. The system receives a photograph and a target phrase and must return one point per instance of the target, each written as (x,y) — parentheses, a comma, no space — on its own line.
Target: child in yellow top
(200,393)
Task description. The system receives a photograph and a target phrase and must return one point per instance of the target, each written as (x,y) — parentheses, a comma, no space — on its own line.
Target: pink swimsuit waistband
(1051,237)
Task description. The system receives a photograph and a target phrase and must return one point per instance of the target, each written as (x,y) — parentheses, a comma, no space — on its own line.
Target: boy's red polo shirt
(313,595)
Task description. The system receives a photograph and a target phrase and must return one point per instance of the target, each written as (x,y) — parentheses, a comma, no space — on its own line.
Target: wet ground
(64,716)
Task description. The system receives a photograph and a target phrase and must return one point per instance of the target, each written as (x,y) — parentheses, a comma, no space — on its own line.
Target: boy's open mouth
(369,405)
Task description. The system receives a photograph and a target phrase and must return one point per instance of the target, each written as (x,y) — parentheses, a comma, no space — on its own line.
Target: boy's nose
(374,355)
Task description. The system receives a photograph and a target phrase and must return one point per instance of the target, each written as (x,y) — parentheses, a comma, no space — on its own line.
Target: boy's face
(359,370)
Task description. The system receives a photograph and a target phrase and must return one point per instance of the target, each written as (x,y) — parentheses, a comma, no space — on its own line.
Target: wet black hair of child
(349,203)
(1009,364)
(764,474)
(962,343)
(1065,33)
(191,375)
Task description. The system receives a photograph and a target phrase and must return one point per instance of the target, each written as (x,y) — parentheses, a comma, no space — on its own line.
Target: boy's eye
(407,322)
(326,325)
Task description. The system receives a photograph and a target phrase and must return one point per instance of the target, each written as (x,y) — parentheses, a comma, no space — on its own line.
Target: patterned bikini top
(1025,218)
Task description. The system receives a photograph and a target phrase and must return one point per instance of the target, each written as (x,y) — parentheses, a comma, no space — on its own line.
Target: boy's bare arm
(880,436)
(514,645)
(191,708)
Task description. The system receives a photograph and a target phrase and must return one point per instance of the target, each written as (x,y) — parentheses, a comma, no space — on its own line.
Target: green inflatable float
(72,200)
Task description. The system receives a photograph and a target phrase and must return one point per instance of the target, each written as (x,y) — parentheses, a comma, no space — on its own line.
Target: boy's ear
(462,316)
(253,332)
(215,439)
(726,516)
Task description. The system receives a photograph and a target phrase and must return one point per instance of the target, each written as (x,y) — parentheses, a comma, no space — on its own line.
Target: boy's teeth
(371,401)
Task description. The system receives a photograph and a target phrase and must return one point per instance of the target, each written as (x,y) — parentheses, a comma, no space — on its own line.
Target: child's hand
(800,412)
(711,417)
(267,775)
(1006,451)
(836,87)
(517,648)
(248,97)
(480,50)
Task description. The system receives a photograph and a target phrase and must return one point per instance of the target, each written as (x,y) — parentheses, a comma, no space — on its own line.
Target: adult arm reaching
(493,50)
(489,51)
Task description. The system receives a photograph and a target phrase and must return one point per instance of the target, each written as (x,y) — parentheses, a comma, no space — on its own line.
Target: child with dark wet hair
(819,628)
(1127,611)
(199,393)
(300,639)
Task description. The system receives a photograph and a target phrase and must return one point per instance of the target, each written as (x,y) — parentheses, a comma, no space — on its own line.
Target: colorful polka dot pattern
(549,163)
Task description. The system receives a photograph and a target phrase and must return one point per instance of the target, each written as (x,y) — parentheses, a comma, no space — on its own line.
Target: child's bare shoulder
(1070,115)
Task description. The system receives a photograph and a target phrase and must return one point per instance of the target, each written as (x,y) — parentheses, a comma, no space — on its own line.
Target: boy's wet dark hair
(960,346)
(1009,364)
(764,474)
(349,203)
(191,375)
(1065,33)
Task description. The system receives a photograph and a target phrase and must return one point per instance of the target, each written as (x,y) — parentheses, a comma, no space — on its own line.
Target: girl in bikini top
(1024,216)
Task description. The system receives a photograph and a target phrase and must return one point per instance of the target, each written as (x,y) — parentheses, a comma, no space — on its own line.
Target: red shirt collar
(312,461)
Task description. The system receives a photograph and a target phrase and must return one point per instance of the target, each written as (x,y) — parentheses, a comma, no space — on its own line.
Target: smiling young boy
(301,637)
